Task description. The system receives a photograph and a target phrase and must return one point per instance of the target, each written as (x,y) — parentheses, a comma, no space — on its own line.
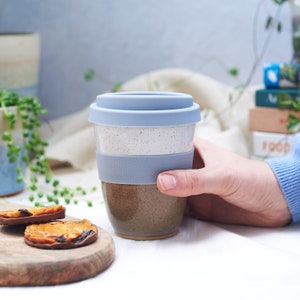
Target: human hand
(228,188)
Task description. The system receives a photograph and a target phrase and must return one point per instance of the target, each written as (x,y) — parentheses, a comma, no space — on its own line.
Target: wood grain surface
(22,265)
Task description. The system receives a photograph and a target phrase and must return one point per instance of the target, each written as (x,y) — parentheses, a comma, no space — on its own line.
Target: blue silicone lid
(144,109)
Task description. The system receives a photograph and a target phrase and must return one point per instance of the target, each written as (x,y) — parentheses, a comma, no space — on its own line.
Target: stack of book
(276,106)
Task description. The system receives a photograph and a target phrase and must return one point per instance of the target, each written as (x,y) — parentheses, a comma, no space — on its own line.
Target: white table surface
(203,261)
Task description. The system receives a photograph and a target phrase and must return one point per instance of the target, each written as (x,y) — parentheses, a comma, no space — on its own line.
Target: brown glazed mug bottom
(142,212)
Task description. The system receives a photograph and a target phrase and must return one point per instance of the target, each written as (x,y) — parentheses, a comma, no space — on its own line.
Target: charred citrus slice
(31,215)
(61,234)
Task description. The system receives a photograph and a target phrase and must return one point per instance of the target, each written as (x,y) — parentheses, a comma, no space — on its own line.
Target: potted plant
(23,160)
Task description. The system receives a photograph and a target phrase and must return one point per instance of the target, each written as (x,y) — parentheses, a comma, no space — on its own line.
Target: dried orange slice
(32,215)
(61,234)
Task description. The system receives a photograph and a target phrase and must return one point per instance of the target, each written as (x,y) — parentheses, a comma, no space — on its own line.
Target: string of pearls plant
(33,152)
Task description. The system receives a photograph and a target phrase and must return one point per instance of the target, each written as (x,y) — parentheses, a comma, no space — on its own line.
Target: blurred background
(87,47)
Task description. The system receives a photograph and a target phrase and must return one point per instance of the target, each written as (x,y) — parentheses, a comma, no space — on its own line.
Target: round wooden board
(22,265)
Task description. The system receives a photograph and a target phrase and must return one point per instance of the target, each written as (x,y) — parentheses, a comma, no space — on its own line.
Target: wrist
(287,172)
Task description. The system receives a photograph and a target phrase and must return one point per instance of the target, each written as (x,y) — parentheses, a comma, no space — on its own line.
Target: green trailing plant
(38,177)
(90,75)
(286,101)
(293,124)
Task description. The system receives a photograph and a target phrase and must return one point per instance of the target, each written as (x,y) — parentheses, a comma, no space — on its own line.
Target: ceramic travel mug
(138,135)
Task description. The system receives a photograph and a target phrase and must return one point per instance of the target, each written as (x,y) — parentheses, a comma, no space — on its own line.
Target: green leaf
(20,179)
(279,2)
(116,87)
(233,72)
(293,123)
(6,136)
(268,22)
(89,75)
(279,27)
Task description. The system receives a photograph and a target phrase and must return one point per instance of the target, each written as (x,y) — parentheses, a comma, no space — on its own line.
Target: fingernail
(168,182)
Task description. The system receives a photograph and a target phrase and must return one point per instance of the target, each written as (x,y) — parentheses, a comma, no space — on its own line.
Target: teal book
(279,98)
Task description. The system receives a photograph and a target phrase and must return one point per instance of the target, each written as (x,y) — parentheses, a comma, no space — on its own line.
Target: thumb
(184,183)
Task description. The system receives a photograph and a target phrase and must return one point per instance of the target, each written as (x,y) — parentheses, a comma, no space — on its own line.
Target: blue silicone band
(140,169)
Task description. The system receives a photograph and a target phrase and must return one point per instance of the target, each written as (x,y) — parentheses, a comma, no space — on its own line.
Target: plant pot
(8,171)
(19,70)
(19,62)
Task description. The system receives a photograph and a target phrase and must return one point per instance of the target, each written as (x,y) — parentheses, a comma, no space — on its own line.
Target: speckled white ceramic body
(144,140)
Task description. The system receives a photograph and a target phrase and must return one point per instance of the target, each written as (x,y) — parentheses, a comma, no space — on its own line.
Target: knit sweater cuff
(287,171)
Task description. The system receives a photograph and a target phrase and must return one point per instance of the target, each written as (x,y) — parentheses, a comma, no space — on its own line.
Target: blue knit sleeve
(287,171)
